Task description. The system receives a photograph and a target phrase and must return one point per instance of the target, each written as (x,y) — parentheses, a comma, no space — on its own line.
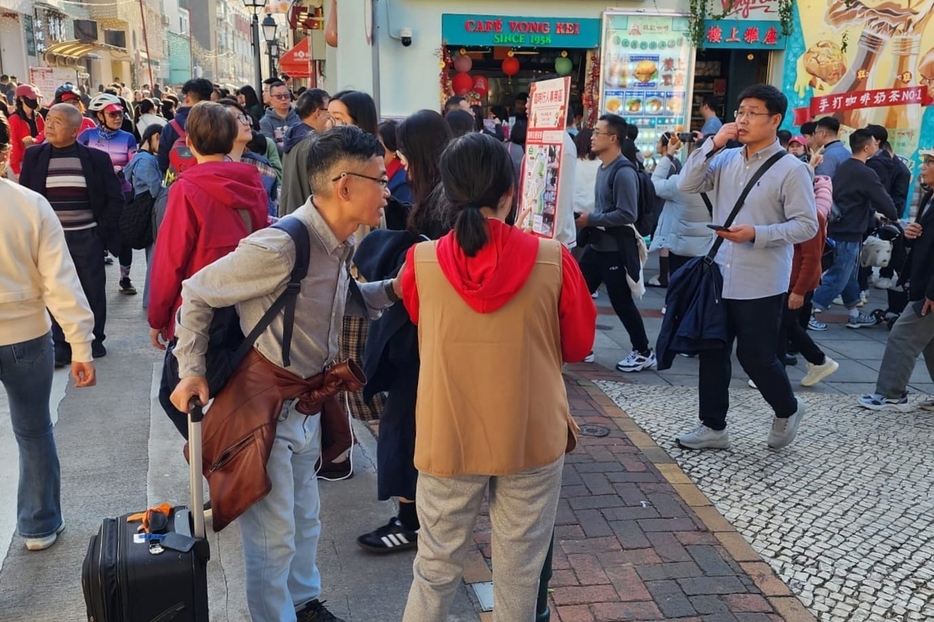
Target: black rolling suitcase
(134,577)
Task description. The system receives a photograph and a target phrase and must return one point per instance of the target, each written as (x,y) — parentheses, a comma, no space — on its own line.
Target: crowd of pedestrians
(422,274)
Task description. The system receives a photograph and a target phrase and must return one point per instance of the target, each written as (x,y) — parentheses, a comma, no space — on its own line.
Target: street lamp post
(256,6)
(270,28)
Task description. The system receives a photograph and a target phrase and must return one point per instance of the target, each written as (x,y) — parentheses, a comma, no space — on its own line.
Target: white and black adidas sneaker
(389,538)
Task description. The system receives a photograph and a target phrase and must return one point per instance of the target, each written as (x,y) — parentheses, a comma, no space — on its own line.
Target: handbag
(695,319)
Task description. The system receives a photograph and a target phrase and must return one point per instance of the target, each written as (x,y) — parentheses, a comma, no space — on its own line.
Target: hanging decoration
(462,83)
(510,65)
(444,76)
(481,86)
(563,64)
(463,63)
(330,26)
(591,95)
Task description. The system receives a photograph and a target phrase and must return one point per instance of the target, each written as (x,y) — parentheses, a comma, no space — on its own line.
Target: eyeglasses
(927,162)
(382,181)
(750,115)
(596,133)
(242,118)
(282,96)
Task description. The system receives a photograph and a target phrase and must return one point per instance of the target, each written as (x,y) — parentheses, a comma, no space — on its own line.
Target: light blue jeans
(26,373)
(842,278)
(280,533)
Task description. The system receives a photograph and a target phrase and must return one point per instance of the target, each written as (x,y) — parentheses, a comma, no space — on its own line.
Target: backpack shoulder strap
(178,128)
(299,234)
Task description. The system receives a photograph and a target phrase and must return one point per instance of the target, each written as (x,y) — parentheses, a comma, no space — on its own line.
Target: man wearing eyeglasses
(280,116)
(755,261)
(312,107)
(280,532)
(913,332)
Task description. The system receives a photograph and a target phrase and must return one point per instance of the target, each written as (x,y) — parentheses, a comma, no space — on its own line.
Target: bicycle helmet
(102,101)
(68,87)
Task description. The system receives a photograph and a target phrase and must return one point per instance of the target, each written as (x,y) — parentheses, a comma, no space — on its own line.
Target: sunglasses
(282,96)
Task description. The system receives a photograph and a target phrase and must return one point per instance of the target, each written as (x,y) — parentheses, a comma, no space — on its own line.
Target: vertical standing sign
(541,167)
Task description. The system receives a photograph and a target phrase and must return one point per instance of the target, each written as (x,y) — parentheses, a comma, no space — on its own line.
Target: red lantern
(481,86)
(510,66)
(462,83)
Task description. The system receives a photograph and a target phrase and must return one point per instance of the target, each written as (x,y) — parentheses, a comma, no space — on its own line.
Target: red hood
(490,279)
(232,184)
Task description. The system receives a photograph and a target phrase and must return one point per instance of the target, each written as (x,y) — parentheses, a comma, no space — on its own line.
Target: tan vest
(491,398)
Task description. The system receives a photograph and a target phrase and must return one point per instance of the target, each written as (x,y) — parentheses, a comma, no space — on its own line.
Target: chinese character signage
(541,168)
(540,32)
(647,70)
(745,35)
(884,75)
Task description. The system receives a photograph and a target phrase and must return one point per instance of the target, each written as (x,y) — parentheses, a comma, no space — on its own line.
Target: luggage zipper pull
(155,548)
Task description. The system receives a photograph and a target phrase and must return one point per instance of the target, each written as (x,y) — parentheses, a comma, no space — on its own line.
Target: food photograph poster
(864,62)
(647,73)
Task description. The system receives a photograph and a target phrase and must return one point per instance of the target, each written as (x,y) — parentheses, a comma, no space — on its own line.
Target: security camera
(405,34)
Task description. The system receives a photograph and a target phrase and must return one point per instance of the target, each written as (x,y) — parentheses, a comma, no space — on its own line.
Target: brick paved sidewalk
(636,540)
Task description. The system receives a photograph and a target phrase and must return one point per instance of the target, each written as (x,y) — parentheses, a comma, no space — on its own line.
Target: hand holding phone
(718,227)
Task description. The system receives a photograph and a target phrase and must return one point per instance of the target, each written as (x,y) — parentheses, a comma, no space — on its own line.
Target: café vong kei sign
(470,29)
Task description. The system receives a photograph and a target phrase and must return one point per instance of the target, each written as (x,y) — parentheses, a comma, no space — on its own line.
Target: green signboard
(543,32)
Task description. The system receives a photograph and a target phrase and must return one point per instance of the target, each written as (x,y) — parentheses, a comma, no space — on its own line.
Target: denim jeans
(841,278)
(26,374)
(280,532)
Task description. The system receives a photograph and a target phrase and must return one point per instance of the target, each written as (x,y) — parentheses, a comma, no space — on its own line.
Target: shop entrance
(723,73)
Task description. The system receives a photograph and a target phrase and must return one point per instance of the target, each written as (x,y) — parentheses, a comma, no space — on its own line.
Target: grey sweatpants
(911,335)
(522,513)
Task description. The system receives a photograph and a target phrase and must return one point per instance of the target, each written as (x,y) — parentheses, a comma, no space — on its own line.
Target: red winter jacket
(19,129)
(204,220)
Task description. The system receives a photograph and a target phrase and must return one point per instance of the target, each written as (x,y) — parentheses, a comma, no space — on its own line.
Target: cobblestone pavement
(845,515)
(635,540)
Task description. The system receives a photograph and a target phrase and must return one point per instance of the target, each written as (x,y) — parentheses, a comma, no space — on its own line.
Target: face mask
(32,104)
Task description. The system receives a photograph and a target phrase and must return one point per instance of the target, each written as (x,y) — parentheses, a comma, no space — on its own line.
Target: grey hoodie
(275,127)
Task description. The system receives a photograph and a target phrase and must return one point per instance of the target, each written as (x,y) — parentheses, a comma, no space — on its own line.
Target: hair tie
(473,206)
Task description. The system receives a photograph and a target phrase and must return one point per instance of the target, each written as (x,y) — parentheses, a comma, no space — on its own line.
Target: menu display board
(541,167)
(647,73)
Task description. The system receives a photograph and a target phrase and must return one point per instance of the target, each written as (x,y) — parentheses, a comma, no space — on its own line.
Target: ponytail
(471,230)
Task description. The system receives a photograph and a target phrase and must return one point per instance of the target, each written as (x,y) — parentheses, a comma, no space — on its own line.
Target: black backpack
(648,210)
(227,346)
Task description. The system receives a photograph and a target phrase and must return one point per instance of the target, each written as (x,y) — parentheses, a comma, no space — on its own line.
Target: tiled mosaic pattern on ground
(845,515)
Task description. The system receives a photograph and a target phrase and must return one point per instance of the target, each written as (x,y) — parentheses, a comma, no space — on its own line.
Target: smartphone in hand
(718,227)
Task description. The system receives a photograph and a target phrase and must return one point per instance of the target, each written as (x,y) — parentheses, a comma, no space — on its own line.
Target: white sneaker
(40,544)
(637,362)
(927,404)
(784,430)
(595,295)
(703,437)
(815,324)
(816,373)
(838,301)
(884,283)
(752,385)
(589,358)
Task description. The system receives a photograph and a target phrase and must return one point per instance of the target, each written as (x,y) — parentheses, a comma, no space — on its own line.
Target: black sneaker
(336,471)
(108,260)
(98,350)
(315,611)
(126,287)
(389,538)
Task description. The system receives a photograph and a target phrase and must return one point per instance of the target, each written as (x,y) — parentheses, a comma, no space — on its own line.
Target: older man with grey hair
(84,191)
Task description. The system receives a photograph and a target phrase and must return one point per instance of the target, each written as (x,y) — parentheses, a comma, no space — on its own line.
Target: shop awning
(295,62)
(75,49)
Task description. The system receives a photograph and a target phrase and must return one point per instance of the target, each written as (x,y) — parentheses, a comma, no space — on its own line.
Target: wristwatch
(390,291)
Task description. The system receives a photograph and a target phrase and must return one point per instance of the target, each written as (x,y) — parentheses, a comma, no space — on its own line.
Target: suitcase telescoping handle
(195,415)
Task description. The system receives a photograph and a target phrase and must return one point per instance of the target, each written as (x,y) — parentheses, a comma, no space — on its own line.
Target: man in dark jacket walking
(857,195)
(194,91)
(312,107)
(913,332)
(85,193)
(896,178)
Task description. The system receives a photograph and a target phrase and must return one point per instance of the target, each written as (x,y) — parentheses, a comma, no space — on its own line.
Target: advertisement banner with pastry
(541,167)
(864,62)
(647,65)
